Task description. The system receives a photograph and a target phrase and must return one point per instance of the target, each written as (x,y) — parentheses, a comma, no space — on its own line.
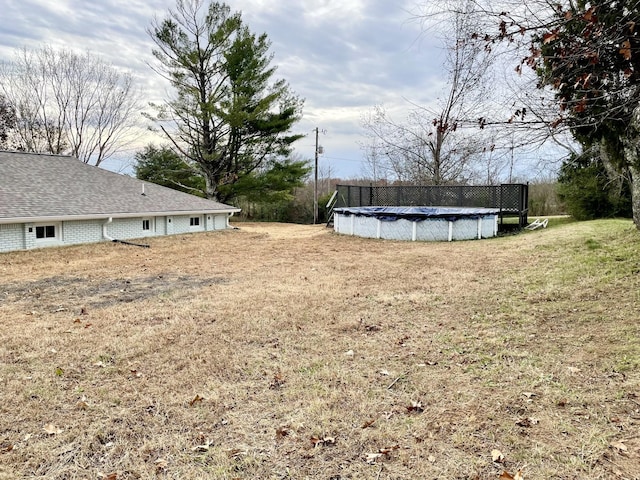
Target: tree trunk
(632,159)
(634,173)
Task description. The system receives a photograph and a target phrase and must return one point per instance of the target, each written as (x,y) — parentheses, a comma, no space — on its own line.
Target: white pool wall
(429,228)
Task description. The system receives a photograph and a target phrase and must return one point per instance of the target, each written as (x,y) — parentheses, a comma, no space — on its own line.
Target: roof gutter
(106,216)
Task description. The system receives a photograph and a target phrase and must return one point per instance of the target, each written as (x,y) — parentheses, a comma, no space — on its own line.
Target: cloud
(342,56)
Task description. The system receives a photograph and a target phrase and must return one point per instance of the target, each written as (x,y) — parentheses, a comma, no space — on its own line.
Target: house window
(146,224)
(45,231)
(194,221)
(48,233)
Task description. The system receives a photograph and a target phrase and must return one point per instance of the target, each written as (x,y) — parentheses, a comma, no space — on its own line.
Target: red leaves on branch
(625,51)
(550,37)
(590,15)
(581,106)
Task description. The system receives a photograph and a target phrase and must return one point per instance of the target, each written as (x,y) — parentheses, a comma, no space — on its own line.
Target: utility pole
(315,185)
(319,151)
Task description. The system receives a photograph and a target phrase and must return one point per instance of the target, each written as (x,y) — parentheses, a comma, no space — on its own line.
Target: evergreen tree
(588,191)
(273,184)
(229,116)
(163,166)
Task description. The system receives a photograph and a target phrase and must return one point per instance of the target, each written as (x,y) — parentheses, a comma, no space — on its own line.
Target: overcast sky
(342,56)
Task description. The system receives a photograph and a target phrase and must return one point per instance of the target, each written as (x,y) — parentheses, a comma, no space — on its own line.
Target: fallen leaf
(136,373)
(108,476)
(51,429)
(196,399)
(372,457)
(415,407)
(507,476)
(621,447)
(236,452)
(431,459)
(6,448)
(385,373)
(322,442)
(282,432)
(82,403)
(368,423)
(161,465)
(383,452)
(278,380)
(349,353)
(497,456)
(388,450)
(527,422)
(202,448)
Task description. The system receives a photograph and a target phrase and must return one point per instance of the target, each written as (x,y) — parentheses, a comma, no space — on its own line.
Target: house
(49,200)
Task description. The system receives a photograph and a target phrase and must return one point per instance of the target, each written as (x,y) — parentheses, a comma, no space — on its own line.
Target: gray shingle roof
(38,185)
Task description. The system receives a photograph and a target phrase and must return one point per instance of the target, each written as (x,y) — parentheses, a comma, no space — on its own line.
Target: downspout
(229,215)
(104,230)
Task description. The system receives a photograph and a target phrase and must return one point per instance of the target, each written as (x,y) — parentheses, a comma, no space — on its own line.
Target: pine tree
(229,116)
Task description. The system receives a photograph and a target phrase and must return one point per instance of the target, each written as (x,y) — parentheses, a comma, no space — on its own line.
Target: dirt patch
(60,293)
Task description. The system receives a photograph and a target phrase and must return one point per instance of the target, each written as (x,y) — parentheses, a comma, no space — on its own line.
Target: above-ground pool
(417,223)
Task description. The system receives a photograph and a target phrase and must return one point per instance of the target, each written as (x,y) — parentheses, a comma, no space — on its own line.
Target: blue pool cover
(417,214)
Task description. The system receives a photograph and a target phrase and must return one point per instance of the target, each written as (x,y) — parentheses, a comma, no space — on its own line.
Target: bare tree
(584,56)
(7,121)
(430,144)
(68,103)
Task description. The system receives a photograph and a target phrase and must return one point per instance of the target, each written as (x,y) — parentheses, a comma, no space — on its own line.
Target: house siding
(87,231)
(12,237)
(161,225)
(18,237)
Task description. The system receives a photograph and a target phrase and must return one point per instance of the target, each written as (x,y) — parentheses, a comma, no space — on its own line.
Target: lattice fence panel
(511,198)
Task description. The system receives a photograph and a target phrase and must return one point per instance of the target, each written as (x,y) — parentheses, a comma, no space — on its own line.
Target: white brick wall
(18,237)
(87,231)
(126,228)
(180,224)
(11,237)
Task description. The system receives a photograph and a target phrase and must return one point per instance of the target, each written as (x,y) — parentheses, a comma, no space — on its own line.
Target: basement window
(146,224)
(48,232)
(45,231)
(194,221)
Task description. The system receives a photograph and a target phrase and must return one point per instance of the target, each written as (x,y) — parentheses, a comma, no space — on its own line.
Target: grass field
(288,352)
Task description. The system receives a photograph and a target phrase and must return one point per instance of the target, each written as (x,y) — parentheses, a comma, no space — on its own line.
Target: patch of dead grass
(283,351)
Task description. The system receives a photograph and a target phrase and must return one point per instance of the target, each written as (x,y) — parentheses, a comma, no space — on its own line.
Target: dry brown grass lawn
(284,351)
